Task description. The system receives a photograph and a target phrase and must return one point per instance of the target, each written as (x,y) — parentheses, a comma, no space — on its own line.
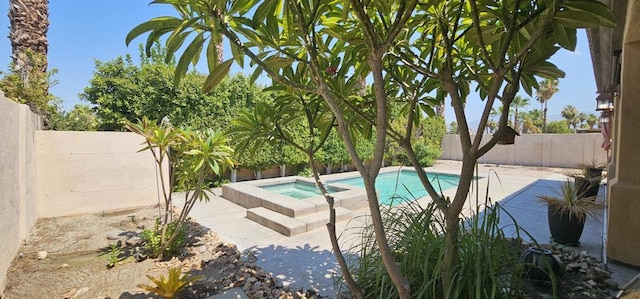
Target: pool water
(298,190)
(397,187)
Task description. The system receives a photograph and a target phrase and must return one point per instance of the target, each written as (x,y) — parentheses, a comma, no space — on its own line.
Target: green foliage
(153,239)
(169,287)
(558,127)
(489,266)
(114,255)
(81,118)
(453,128)
(426,143)
(32,88)
(333,151)
(305,172)
(193,157)
(123,91)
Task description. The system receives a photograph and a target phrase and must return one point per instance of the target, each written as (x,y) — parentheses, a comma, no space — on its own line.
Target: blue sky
(84,30)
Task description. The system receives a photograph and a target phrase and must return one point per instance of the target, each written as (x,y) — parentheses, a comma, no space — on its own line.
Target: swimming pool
(404,185)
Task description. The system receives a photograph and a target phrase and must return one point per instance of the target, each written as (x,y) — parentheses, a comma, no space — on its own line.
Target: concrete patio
(306,261)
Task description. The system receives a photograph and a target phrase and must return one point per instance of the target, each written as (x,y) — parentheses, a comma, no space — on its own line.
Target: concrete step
(290,226)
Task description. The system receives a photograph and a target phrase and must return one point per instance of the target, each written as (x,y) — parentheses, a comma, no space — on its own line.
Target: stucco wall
(92,172)
(17,179)
(549,150)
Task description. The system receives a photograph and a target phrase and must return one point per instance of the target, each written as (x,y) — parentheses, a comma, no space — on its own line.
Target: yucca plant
(567,212)
(169,287)
(569,200)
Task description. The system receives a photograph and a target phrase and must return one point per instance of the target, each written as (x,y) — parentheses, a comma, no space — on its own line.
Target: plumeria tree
(413,55)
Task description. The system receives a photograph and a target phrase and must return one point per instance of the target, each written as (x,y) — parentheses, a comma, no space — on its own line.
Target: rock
(574,266)
(65,266)
(589,284)
(133,241)
(113,235)
(42,255)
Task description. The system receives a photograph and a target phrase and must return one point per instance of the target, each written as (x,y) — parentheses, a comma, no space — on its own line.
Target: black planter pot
(564,230)
(540,263)
(586,188)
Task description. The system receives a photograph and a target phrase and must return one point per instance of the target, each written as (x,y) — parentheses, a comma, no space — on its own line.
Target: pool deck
(306,260)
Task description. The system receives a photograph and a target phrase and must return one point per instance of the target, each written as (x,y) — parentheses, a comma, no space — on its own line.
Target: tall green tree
(35,92)
(545,91)
(592,120)
(570,114)
(415,55)
(519,102)
(121,91)
(29,24)
(80,118)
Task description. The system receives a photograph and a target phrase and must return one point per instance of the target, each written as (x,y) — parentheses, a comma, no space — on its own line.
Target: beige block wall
(17,179)
(92,172)
(548,150)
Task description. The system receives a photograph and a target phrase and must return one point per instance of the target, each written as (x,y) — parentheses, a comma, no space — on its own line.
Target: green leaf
(583,19)
(187,56)
(546,70)
(173,44)
(153,24)
(565,37)
(600,14)
(217,75)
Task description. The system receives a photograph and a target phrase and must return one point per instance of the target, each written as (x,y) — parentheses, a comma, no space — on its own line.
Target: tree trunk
(29,23)
(234,175)
(544,118)
(327,168)
(220,50)
(452,219)
(283,170)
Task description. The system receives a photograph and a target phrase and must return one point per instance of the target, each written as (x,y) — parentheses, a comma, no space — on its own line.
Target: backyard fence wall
(547,150)
(18,191)
(54,173)
(92,172)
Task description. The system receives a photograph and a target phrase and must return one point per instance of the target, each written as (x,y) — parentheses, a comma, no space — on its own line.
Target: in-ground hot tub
(299,189)
(292,196)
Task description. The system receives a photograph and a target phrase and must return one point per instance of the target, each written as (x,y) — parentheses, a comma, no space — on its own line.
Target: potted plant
(567,212)
(588,179)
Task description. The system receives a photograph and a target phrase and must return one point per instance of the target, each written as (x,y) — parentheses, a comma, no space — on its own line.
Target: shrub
(152,239)
(489,265)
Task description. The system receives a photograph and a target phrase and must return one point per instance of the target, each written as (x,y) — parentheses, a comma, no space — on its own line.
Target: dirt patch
(77,258)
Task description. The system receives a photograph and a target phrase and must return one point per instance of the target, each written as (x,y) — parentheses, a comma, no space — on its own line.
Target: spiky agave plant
(169,287)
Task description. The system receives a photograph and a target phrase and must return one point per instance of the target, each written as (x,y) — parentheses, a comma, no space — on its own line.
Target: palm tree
(518,102)
(545,91)
(29,23)
(592,120)
(570,113)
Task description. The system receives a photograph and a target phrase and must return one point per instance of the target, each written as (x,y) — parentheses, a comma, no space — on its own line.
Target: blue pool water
(397,187)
